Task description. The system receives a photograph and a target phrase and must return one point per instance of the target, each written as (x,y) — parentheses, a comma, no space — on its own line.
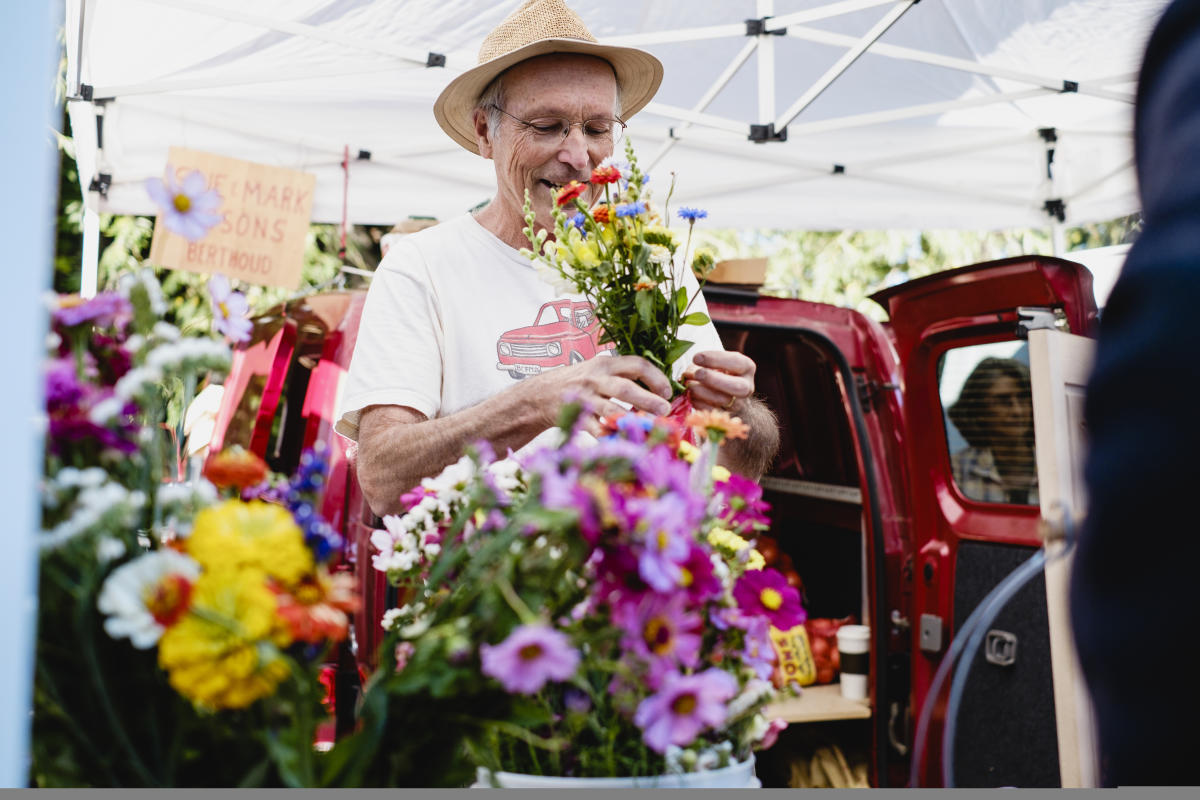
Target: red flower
(602,213)
(235,467)
(606,175)
(569,192)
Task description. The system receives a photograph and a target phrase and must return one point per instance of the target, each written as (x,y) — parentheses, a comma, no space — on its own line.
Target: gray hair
(492,99)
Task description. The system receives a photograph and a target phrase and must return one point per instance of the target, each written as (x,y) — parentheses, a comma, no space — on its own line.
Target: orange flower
(315,609)
(602,213)
(717,421)
(644,284)
(235,467)
(606,175)
(569,192)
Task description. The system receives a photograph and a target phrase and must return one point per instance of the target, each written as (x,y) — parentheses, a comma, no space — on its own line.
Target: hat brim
(638,74)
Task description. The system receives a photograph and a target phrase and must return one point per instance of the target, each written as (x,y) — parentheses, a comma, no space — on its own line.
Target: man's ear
(483,136)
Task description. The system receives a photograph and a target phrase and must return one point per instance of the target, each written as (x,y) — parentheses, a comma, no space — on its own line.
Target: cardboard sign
(266,211)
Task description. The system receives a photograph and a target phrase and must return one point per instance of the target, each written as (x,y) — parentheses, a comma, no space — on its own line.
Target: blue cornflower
(578,220)
(631,209)
(692,214)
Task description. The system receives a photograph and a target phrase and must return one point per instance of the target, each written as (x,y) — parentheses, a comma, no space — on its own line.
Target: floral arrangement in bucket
(621,256)
(182,625)
(599,608)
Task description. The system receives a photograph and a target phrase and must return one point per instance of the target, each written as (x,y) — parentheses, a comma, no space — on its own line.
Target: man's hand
(720,379)
(597,383)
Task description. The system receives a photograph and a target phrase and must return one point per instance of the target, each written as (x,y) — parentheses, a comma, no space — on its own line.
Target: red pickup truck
(867,494)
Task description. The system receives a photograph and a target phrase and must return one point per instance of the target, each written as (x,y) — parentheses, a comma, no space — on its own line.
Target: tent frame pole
(842,64)
(297,29)
(1093,87)
(720,83)
(738,29)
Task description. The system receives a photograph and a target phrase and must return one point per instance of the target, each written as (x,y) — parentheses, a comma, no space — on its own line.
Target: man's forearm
(753,455)
(397,447)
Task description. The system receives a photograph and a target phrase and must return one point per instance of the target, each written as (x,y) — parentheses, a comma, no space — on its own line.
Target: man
(1134,602)
(424,382)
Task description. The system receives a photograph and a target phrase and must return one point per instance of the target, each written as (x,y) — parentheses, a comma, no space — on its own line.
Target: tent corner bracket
(767,133)
(758,27)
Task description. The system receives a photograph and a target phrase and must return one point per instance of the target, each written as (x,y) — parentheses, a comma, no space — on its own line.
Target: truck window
(988,411)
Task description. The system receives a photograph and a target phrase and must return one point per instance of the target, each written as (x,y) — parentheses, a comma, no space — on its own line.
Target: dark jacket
(1135,595)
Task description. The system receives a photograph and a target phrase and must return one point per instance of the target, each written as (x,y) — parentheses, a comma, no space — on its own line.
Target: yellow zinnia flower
(235,534)
(225,652)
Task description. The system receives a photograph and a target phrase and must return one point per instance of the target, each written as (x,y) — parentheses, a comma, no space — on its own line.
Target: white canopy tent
(800,114)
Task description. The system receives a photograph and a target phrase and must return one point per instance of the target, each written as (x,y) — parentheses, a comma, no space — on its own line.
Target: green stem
(97,676)
(514,601)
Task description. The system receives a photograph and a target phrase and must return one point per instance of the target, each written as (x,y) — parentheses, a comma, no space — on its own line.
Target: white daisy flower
(146,595)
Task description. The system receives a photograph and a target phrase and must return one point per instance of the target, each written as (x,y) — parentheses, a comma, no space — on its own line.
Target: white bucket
(738,775)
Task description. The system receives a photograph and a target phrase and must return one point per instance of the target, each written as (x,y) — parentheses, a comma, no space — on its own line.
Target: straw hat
(536,28)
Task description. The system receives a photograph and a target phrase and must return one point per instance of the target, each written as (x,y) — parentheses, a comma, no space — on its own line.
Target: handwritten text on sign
(266,211)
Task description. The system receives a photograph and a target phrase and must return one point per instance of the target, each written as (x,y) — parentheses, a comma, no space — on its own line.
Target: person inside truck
(994,413)
(546,104)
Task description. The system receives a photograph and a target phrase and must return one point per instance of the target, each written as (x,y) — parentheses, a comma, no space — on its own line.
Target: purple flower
(188,209)
(758,653)
(661,469)
(766,593)
(229,310)
(62,385)
(667,522)
(684,707)
(105,309)
(692,214)
(742,506)
(662,630)
(576,701)
(528,658)
(697,575)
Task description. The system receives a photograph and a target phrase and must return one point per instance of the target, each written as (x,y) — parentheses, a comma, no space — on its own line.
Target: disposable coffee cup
(854,647)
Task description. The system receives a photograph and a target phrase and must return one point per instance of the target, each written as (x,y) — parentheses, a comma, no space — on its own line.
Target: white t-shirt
(454,315)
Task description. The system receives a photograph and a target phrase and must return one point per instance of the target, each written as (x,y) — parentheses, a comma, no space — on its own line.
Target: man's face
(573,87)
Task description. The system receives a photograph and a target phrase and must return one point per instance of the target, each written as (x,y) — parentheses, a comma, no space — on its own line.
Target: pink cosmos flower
(774,728)
(188,209)
(528,658)
(229,310)
(661,630)
(684,707)
(766,592)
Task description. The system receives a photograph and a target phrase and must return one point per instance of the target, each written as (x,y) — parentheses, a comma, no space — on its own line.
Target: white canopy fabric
(898,113)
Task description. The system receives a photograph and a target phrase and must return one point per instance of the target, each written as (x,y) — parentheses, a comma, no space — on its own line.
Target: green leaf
(677,349)
(644,300)
(681,299)
(694,318)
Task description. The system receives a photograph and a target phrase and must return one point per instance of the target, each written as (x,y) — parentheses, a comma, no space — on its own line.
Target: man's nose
(574,149)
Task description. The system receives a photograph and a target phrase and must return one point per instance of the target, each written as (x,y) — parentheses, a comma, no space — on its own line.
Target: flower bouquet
(180,633)
(621,257)
(596,610)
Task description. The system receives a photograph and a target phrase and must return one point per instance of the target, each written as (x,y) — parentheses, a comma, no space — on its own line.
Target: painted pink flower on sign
(189,209)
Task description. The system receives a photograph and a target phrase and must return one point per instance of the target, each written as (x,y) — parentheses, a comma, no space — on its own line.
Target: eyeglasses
(602,130)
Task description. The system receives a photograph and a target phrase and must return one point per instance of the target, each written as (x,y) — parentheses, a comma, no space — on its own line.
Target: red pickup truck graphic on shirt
(565,332)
